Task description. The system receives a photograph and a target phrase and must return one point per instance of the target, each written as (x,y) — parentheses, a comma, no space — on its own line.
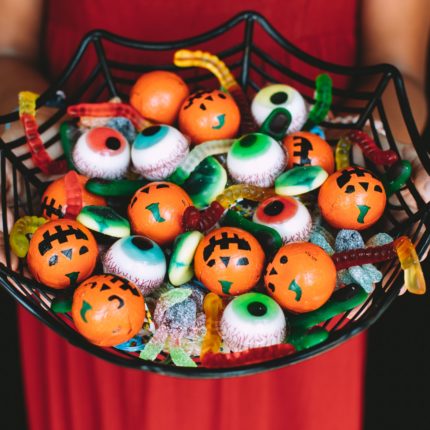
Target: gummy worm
(187,58)
(23,227)
(213,307)
(343,147)
(109,109)
(73,190)
(114,188)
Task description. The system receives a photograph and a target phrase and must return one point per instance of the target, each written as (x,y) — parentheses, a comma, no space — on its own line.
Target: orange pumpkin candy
(156,211)
(158,96)
(352,198)
(54,199)
(62,253)
(301,277)
(108,309)
(308,149)
(209,115)
(229,261)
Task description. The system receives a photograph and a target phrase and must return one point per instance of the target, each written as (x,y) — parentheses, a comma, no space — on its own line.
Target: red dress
(68,389)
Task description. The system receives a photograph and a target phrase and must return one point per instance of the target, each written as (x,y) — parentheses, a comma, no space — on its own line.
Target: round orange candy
(229,261)
(156,211)
(158,96)
(308,149)
(62,253)
(301,277)
(209,115)
(108,309)
(353,198)
(54,199)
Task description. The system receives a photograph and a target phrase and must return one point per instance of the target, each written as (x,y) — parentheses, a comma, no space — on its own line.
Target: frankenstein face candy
(301,277)
(308,149)
(156,211)
(108,309)
(280,96)
(56,197)
(252,320)
(352,198)
(62,253)
(158,150)
(228,261)
(209,115)
(289,217)
(158,96)
(138,259)
(102,153)
(256,159)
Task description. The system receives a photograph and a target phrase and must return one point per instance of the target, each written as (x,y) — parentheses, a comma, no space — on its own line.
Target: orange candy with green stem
(108,309)
(209,115)
(158,96)
(156,211)
(352,198)
(301,277)
(229,261)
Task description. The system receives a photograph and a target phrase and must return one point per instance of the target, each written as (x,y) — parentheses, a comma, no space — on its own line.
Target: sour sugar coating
(124,126)
(301,277)
(308,149)
(229,261)
(108,309)
(289,217)
(138,259)
(213,307)
(102,153)
(348,239)
(196,156)
(256,159)
(157,151)
(276,96)
(300,180)
(252,320)
(353,198)
(18,236)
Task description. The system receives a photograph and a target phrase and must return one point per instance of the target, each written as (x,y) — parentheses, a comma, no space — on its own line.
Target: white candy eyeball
(280,96)
(102,153)
(158,150)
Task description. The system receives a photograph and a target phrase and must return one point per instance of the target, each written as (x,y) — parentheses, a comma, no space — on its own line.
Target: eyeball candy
(56,196)
(108,310)
(252,320)
(102,153)
(308,149)
(137,259)
(209,115)
(301,277)
(280,96)
(352,198)
(256,159)
(158,96)
(62,253)
(289,217)
(228,261)
(158,150)
(156,211)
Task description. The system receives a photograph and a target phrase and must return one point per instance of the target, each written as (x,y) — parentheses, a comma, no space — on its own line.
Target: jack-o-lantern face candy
(209,115)
(62,253)
(108,309)
(229,261)
(301,277)
(156,211)
(352,198)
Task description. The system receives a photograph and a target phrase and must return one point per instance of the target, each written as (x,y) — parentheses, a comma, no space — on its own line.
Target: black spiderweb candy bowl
(240,40)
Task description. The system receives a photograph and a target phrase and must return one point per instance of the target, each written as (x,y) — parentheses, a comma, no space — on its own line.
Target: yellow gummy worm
(24,226)
(243,191)
(187,58)
(213,307)
(27,103)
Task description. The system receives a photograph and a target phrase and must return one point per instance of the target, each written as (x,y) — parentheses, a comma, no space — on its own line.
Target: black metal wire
(111,76)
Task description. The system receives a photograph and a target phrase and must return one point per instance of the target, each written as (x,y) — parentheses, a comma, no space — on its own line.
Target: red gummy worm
(39,154)
(73,189)
(250,356)
(360,256)
(193,219)
(375,154)
(109,110)
(248,124)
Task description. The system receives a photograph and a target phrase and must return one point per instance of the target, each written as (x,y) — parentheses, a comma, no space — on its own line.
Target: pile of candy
(207,229)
